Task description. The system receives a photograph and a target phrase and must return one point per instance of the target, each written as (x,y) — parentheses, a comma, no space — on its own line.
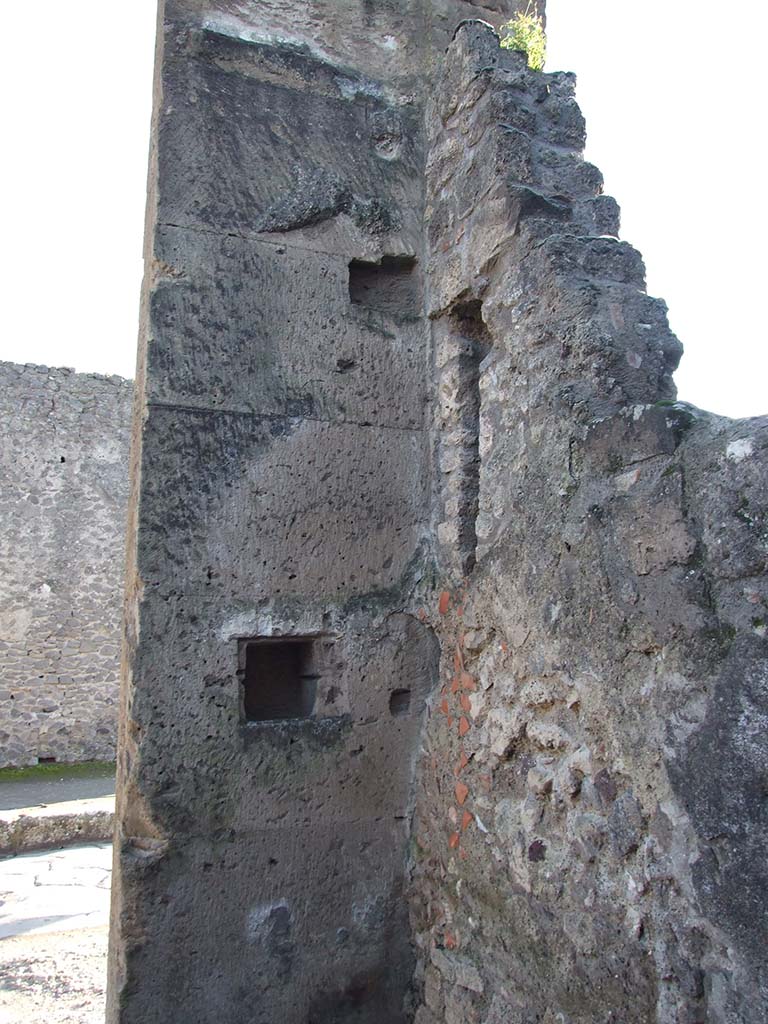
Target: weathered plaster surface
(63,498)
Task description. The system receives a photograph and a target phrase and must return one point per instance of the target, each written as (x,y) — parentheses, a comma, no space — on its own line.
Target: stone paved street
(80,783)
(54,909)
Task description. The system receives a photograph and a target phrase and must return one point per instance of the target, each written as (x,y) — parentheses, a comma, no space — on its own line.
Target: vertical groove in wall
(463,343)
(475,340)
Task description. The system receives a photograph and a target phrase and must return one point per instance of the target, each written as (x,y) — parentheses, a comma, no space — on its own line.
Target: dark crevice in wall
(467,323)
(278,678)
(399,702)
(390,286)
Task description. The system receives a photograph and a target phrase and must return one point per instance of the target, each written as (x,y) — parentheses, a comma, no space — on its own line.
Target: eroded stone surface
(589,809)
(281,489)
(406,401)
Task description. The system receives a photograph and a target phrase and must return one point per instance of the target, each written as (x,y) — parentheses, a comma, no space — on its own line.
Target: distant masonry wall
(63,495)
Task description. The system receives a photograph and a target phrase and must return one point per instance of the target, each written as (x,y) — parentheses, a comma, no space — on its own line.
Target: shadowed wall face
(276,674)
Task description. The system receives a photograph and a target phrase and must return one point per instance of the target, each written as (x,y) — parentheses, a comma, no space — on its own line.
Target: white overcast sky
(673,95)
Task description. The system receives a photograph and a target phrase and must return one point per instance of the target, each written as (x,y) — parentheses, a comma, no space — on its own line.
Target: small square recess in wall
(278,677)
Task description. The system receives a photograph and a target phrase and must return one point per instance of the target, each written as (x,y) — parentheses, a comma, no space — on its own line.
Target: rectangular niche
(390,286)
(278,677)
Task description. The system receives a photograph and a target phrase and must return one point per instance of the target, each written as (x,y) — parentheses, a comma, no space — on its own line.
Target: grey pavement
(51,790)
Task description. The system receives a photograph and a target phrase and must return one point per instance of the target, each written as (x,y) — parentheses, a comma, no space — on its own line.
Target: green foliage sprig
(526,32)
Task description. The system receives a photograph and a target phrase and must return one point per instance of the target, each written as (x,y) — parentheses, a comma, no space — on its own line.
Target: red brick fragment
(466,704)
(453,842)
(468,681)
(444,706)
(466,820)
(462,792)
(464,726)
(463,762)
(444,602)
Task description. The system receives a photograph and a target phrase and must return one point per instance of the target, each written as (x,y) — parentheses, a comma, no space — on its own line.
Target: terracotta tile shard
(463,762)
(453,842)
(464,726)
(460,610)
(455,684)
(444,706)
(458,662)
(466,820)
(466,704)
(445,602)
(468,681)
(462,792)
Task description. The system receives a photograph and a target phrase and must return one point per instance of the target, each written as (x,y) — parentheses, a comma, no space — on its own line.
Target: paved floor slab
(54,910)
(55,890)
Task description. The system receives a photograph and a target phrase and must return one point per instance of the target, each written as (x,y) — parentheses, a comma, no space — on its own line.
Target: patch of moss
(721,637)
(742,512)
(59,770)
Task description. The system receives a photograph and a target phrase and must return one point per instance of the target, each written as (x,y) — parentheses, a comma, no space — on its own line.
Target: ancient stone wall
(63,499)
(590,826)
(275,681)
(439,603)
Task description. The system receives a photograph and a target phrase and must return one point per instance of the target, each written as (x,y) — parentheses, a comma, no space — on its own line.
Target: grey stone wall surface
(590,827)
(63,499)
(404,404)
(281,490)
